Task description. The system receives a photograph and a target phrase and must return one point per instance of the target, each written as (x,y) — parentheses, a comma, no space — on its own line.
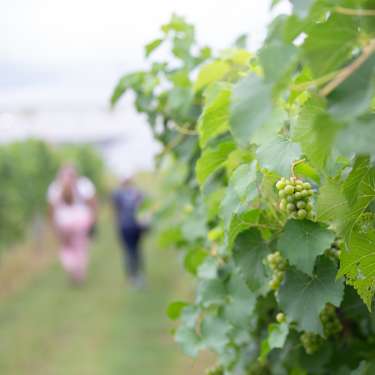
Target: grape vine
(273,154)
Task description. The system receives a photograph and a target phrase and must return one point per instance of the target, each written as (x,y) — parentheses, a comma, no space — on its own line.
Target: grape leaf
(241,302)
(364,140)
(341,204)
(359,183)
(332,206)
(353,97)
(132,80)
(189,340)
(302,7)
(241,41)
(329,44)
(315,131)
(277,155)
(302,241)
(304,169)
(174,309)
(190,315)
(302,297)
(358,264)
(214,332)
(186,334)
(212,159)
(210,73)
(215,117)
(211,292)
(240,222)
(359,189)
(194,226)
(286,56)
(194,258)
(251,107)
(241,191)
(208,268)
(180,78)
(248,253)
(152,46)
(271,127)
(277,335)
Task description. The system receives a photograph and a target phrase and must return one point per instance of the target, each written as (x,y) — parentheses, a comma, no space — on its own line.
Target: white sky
(60,59)
(74,50)
(70,31)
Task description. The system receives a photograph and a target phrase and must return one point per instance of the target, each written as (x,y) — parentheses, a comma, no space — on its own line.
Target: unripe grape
(275,260)
(274,284)
(309,206)
(280,184)
(302,213)
(311,342)
(301,204)
(290,207)
(270,258)
(304,193)
(298,195)
(282,205)
(330,321)
(289,189)
(334,251)
(290,198)
(299,188)
(282,193)
(307,185)
(280,317)
(277,264)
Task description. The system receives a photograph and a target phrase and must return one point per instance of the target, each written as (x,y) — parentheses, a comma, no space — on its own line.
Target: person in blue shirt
(126,201)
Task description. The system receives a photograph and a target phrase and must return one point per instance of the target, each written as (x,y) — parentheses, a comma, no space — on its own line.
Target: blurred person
(126,200)
(72,208)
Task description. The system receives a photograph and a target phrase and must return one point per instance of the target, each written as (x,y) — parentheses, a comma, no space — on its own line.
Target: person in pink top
(72,210)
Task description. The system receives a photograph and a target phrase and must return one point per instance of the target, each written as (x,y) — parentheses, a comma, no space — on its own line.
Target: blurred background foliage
(26,170)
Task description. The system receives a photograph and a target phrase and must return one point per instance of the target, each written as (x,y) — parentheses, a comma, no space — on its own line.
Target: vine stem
(183,130)
(349,70)
(294,164)
(355,12)
(170,146)
(316,82)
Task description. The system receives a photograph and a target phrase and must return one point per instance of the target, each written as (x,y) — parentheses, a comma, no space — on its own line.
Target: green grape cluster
(295,197)
(330,321)
(278,265)
(311,342)
(335,250)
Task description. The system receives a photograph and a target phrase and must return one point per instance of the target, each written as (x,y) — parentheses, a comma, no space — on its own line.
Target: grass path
(102,328)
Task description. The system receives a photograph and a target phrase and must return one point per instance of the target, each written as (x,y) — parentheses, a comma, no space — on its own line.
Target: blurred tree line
(26,170)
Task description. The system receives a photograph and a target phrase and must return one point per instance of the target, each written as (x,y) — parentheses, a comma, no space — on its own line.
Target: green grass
(102,328)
